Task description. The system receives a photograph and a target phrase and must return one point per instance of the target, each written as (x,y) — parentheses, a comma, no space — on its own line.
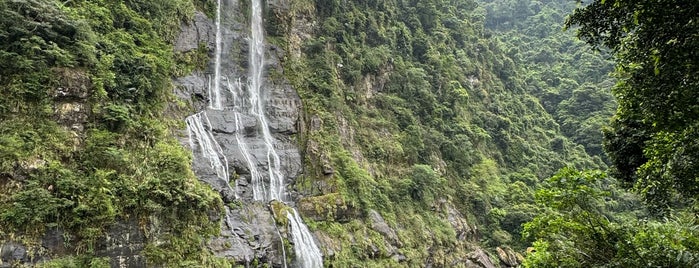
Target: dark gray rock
(199,31)
(123,243)
(11,253)
(249,233)
(57,242)
(282,103)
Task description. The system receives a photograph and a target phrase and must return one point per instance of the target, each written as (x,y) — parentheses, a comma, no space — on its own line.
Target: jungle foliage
(494,97)
(584,224)
(652,141)
(422,110)
(84,142)
(648,143)
(420,107)
(570,79)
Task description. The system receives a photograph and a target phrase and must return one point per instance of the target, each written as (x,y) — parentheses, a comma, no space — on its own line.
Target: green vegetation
(444,118)
(648,143)
(584,225)
(84,140)
(570,80)
(651,141)
(421,110)
(427,102)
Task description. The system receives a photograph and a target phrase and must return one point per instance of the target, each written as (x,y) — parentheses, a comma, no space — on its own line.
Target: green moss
(75,262)
(279,211)
(116,59)
(192,60)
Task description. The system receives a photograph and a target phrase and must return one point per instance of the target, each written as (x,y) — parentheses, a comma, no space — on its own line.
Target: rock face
(249,232)
(70,100)
(200,31)
(282,103)
(479,259)
(13,253)
(122,243)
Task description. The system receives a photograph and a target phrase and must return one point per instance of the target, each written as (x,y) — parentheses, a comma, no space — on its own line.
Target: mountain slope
(420,138)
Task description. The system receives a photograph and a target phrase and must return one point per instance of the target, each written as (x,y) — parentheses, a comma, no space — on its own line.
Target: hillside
(278,133)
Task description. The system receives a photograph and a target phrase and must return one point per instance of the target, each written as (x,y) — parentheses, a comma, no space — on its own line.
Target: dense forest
(434,133)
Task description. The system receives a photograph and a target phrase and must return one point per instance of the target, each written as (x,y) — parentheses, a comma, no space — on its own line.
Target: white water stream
(307,253)
(275,190)
(215,101)
(210,149)
(247,102)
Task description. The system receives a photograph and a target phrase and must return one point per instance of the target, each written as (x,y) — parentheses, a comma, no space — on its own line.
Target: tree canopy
(656,46)
(650,142)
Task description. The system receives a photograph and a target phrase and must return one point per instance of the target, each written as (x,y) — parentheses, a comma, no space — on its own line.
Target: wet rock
(282,106)
(193,89)
(249,233)
(13,253)
(122,244)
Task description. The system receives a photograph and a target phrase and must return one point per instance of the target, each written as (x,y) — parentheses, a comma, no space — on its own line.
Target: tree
(656,47)
(579,227)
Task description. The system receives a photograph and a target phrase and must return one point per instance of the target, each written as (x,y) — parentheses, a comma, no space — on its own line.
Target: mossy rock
(329,207)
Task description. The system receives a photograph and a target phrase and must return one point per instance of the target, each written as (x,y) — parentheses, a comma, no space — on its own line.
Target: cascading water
(215,101)
(308,254)
(247,105)
(210,149)
(256,59)
(255,175)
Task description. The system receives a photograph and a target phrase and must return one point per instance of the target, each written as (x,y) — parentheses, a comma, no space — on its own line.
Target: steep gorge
(398,130)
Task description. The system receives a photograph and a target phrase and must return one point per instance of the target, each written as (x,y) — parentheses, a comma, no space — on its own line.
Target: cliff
(138,135)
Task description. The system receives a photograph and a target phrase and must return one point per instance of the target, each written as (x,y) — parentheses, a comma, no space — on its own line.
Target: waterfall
(307,253)
(210,149)
(214,91)
(246,103)
(238,104)
(257,59)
